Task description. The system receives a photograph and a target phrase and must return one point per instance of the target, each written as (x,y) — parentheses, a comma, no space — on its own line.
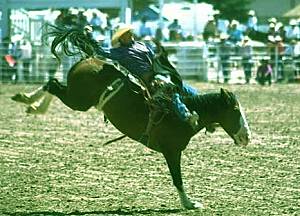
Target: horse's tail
(71,41)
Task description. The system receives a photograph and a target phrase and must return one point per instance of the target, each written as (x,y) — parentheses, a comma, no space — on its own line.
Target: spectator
(14,53)
(289,49)
(159,36)
(210,30)
(235,34)
(280,51)
(66,19)
(174,31)
(50,63)
(26,55)
(272,20)
(96,24)
(144,29)
(225,50)
(252,21)
(81,20)
(279,28)
(271,30)
(108,32)
(264,72)
(222,25)
(60,19)
(296,56)
(5,68)
(293,31)
(271,44)
(289,70)
(246,52)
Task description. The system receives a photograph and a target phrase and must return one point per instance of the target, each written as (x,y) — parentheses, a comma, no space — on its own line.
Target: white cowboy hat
(272,20)
(234,22)
(251,13)
(271,25)
(119,32)
(279,25)
(278,38)
(246,38)
(271,38)
(293,22)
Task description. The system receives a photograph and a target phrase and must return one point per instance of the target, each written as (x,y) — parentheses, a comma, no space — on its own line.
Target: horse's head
(233,119)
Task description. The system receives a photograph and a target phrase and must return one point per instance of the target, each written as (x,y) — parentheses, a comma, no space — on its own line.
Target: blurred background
(232,41)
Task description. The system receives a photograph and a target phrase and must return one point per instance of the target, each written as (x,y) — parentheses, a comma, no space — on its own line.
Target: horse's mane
(210,102)
(202,102)
(72,41)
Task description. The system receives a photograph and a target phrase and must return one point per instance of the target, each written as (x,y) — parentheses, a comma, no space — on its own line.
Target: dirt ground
(55,164)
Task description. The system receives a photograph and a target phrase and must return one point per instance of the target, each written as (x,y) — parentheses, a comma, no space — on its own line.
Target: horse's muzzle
(242,137)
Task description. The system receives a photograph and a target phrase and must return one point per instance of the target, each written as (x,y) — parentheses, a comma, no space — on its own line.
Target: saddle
(157,94)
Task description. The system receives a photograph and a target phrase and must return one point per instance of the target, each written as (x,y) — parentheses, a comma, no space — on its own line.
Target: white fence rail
(197,61)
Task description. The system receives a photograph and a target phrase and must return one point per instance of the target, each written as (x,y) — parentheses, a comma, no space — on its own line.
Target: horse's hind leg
(40,106)
(71,97)
(30,97)
(173,158)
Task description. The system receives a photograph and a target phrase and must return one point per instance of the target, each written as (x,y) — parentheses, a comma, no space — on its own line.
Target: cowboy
(138,58)
(252,21)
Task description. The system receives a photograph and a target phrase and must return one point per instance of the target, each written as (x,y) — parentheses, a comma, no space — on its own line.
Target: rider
(137,57)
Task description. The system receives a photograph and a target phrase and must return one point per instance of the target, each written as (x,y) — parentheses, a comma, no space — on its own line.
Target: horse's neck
(208,107)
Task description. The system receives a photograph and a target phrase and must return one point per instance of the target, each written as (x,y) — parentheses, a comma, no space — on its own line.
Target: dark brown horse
(95,83)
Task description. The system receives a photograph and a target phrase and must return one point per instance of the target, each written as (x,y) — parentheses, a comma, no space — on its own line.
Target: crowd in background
(230,37)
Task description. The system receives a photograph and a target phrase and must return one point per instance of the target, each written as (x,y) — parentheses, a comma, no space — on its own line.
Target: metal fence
(193,60)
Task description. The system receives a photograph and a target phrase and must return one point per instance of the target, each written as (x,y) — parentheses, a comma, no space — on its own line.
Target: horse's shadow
(109,212)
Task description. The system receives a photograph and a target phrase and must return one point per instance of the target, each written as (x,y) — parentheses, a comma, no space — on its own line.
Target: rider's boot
(192,118)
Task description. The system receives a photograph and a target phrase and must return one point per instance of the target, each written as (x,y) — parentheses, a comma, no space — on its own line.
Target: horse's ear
(224,92)
(225,95)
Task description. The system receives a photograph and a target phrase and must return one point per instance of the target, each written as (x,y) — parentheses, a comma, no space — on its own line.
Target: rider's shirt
(137,58)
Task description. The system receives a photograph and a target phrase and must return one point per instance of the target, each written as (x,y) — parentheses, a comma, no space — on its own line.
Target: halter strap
(109,93)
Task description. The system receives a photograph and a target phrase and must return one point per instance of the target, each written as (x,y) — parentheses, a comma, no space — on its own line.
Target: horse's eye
(236,110)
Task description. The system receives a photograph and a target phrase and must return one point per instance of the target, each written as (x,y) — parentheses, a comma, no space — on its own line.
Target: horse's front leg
(173,159)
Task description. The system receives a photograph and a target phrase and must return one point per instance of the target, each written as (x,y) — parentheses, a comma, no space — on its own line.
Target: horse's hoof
(35,110)
(22,98)
(194,205)
(198,205)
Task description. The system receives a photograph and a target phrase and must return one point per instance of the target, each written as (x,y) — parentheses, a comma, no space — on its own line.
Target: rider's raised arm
(113,53)
(101,52)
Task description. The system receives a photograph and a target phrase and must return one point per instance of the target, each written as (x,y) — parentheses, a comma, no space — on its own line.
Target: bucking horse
(95,82)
